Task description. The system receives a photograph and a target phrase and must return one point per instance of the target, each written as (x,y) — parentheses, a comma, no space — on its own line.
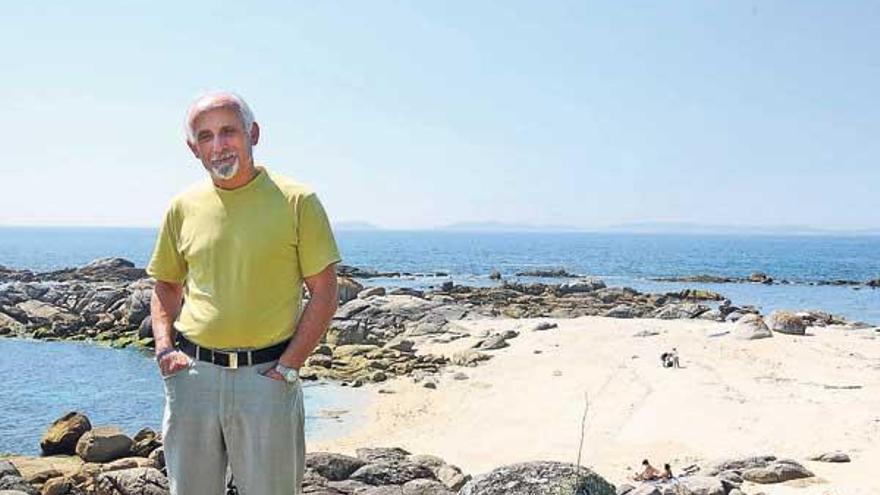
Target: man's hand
(173,362)
(273,374)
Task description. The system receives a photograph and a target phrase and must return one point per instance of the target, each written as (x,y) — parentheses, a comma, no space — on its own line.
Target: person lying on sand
(670,359)
(649,472)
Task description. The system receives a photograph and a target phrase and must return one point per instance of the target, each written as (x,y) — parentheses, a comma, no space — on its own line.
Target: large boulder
(135,481)
(530,478)
(333,467)
(64,433)
(737,464)
(786,322)
(702,485)
(777,472)
(751,327)
(103,444)
(348,289)
(138,306)
(391,473)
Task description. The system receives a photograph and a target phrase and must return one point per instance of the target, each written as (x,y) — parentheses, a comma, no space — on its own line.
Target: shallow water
(121,387)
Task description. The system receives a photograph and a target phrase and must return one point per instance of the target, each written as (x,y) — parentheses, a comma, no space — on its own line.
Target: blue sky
(418,114)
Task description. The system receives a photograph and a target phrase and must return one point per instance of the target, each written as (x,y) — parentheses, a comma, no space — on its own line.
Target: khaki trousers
(217,416)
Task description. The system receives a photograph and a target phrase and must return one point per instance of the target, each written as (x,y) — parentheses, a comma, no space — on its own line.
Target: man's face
(223,145)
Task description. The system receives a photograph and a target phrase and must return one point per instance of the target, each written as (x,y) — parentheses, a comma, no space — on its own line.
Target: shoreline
(776,395)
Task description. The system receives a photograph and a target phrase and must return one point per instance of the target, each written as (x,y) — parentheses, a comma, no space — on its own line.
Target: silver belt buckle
(233,360)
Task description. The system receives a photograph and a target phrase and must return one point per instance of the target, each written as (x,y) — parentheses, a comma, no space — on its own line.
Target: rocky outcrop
(551,273)
(538,477)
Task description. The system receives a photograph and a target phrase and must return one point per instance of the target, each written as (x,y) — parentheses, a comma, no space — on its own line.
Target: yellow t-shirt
(242,255)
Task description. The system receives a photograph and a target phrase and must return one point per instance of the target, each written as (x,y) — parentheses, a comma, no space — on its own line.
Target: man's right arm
(164,308)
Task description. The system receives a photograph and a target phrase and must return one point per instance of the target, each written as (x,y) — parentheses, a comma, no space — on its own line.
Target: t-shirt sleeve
(167,263)
(317,246)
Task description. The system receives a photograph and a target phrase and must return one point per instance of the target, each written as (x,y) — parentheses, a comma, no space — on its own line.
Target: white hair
(217,99)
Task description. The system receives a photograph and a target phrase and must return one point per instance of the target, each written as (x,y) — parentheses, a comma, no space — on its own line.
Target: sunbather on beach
(649,472)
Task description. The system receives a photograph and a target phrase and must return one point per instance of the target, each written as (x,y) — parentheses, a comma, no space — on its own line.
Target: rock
(873,283)
(751,327)
(7,468)
(129,463)
(371,291)
(382,454)
(16,485)
(580,286)
(737,464)
(64,433)
(407,291)
(468,357)
(145,441)
(402,345)
(643,489)
(158,457)
(697,295)
(786,322)
(557,273)
(777,472)
(646,333)
(530,478)
(493,342)
(57,486)
(334,467)
(391,473)
(42,476)
(676,311)
(495,275)
(425,487)
(8,324)
(137,481)
(836,456)
(702,485)
(348,289)
(761,278)
(103,444)
(110,269)
(620,311)
(544,325)
(624,488)
(451,476)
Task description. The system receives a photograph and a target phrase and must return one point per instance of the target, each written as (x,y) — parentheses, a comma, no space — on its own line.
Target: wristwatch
(290,374)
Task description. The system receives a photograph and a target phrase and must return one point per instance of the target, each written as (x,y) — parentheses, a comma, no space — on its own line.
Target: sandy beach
(788,396)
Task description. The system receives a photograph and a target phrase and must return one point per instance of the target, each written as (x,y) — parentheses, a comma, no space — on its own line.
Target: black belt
(232,359)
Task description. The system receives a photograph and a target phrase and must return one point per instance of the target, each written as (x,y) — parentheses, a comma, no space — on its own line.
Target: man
(229,264)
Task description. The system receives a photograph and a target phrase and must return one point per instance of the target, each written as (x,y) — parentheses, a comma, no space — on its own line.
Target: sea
(43,380)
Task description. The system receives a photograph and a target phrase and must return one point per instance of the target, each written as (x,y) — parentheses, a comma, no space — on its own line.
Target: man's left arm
(314,320)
